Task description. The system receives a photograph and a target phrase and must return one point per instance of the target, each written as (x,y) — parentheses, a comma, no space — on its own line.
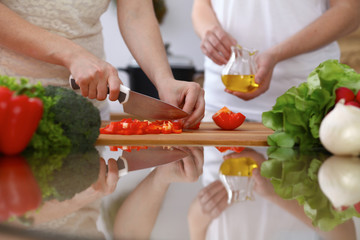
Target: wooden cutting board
(248,134)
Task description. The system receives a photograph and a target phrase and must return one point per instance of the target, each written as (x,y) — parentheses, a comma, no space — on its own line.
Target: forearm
(341,19)
(33,41)
(137,215)
(197,233)
(342,231)
(141,33)
(203,17)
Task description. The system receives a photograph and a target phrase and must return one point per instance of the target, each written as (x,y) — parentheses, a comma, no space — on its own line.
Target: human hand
(262,185)
(266,63)
(107,180)
(216,44)
(94,76)
(188,169)
(187,95)
(208,205)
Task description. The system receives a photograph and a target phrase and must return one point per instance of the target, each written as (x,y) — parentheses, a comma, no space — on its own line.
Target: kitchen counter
(131,189)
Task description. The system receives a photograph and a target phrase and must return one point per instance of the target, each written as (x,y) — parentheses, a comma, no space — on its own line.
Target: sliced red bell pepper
(234,149)
(227,119)
(127,148)
(19,118)
(130,126)
(19,190)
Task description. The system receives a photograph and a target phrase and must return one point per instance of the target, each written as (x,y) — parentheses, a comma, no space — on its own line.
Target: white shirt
(260,24)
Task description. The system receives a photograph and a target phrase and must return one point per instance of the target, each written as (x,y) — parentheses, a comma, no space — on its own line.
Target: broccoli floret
(78,117)
(62,175)
(78,172)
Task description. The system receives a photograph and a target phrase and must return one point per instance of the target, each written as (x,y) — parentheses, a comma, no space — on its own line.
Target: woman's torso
(77,20)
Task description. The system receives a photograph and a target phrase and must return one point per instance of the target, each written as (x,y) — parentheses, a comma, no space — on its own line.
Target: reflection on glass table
(142,192)
(46,196)
(135,219)
(339,178)
(236,175)
(272,213)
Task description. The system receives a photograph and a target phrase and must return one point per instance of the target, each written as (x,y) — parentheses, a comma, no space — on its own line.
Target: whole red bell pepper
(19,190)
(19,118)
(228,120)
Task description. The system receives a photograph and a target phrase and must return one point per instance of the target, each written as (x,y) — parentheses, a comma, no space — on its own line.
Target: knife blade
(142,105)
(151,157)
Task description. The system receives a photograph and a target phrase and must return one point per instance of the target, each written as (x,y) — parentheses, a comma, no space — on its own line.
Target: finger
(207,193)
(114,86)
(209,50)
(220,207)
(226,40)
(194,104)
(258,180)
(113,175)
(93,88)
(245,96)
(102,169)
(101,90)
(84,86)
(215,200)
(217,44)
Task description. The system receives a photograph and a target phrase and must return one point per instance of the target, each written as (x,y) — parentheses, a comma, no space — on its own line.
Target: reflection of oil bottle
(239,73)
(235,174)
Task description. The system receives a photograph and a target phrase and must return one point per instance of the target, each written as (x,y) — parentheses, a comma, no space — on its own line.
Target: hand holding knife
(143,106)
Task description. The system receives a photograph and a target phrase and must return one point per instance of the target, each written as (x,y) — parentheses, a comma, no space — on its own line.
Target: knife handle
(123,95)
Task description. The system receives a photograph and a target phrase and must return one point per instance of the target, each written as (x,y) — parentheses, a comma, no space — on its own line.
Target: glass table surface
(179,192)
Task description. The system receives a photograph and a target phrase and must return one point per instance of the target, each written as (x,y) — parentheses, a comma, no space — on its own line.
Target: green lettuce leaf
(297,114)
(293,173)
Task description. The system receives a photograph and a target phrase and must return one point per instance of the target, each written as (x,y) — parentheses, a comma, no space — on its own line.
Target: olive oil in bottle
(240,83)
(242,166)
(236,175)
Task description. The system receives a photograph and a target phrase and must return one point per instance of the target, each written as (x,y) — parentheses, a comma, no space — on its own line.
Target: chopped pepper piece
(130,126)
(227,119)
(234,149)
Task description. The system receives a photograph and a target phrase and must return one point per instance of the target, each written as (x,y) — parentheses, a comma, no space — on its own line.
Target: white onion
(340,130)
(339,179)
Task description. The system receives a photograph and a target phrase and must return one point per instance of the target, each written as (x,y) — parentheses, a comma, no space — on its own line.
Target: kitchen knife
(139,159)
(147,158)
(144,106)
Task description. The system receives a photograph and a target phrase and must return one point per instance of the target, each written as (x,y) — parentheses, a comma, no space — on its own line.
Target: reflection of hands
(187,95)
(94,75)
(216,44)
(188,169)
(262,185)
(209,204)
(107,181)
(266,63)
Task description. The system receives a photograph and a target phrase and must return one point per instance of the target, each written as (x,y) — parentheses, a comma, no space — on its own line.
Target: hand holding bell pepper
(19,118)
(227,119)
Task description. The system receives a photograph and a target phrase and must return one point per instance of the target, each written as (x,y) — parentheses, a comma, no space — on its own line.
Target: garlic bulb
(340,130)
(339,179)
